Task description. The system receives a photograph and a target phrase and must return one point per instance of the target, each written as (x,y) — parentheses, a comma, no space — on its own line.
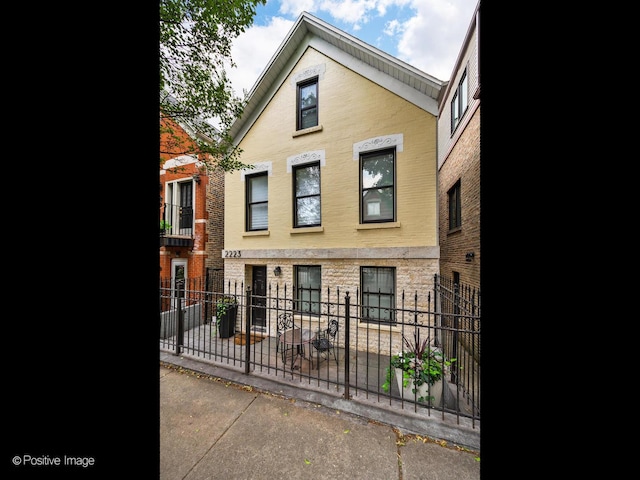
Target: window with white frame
(377,186)
(378,294)
(257,217)
(460,101)
(306,188)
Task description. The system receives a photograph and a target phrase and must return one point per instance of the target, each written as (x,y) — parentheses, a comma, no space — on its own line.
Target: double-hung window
(377,186)
(307,104)
(455,210)
(378,297)
(307,288)
(460,101)
(257,217)
(306,189)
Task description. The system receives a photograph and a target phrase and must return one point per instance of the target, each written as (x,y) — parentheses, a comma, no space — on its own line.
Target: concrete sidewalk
(211,428)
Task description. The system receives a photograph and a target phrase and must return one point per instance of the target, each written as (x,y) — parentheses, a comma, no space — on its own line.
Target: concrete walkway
(214,428)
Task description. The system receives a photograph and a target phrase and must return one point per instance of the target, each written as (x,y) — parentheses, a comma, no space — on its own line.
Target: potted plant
(164,225)
(226,309)
(419,371)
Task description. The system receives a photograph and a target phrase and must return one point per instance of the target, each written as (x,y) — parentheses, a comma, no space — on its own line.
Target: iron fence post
(247,327)
(436,312)
(456,327)
(347,395)
(180,312)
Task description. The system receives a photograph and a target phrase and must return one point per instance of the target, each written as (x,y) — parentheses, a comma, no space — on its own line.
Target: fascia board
(385,80)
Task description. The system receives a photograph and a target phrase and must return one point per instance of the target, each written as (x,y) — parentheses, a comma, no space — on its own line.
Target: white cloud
(432,39)
(349,11)
(383,5)
(252,51)
(295,7)
(427,34)
(392,28)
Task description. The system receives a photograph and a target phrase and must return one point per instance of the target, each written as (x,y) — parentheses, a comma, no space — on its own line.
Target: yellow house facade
(343,190)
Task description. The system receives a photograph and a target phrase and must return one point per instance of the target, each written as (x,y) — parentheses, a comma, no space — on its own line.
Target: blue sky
(427,34)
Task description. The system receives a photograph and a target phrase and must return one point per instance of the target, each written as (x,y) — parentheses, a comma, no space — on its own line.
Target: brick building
(459,165)
(343,193)
(184,211)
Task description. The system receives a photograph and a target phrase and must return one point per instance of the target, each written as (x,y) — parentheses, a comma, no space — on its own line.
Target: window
(257,202)
(378,298)
(306,188)
(377,186)
(460,101)
(455,210)
(307,104)
(307,288)
(179,208)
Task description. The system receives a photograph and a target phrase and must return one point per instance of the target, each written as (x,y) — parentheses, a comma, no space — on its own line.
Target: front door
(178,276)
(259,296)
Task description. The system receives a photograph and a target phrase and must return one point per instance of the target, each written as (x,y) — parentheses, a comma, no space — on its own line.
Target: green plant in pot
(164,225)
(226,308)
(422,369)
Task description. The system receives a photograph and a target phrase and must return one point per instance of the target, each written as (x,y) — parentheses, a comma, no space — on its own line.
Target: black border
(82,365)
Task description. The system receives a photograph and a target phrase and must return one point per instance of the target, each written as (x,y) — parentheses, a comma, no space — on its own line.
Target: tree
(195,45)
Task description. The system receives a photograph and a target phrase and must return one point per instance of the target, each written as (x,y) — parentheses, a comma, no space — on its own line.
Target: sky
(427,34)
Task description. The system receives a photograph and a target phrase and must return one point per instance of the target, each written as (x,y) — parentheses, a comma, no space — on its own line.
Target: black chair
(325,341)
(285,322)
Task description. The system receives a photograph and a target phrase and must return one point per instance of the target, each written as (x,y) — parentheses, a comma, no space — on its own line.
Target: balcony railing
(177,220)
(176,225)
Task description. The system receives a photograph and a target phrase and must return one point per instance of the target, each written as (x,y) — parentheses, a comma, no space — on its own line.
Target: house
(459,165)
(343,190)
(187,250)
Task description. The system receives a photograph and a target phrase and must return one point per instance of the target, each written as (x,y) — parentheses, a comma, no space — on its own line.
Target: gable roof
(399,77)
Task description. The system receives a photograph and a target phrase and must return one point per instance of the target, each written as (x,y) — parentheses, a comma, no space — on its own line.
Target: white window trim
(378,143)
(257,168)
(306,157)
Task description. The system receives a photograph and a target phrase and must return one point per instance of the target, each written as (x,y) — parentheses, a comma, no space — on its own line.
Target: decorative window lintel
(378,143)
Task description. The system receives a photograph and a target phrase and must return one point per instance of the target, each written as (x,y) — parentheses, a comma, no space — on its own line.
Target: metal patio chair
(285,322)
(325,341)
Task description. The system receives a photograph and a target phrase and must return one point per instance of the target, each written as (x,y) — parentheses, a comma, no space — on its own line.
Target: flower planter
(423,390)
(227,322)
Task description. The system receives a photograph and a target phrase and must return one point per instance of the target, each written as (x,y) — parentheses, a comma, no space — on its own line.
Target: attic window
(307,104)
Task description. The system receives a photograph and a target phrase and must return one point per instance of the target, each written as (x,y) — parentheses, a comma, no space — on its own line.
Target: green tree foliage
(195,46)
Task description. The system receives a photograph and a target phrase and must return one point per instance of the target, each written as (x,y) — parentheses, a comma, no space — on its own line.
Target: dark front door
(259,296)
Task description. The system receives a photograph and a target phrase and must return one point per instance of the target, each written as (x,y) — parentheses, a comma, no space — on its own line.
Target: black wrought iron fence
(459,308)
(446,321)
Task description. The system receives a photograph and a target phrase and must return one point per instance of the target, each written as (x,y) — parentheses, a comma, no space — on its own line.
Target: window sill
(306,230)
(317,128)
(373,226)
(260,233)
(383,327)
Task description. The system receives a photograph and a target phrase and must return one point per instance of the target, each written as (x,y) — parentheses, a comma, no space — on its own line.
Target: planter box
(227,323)
(423,391)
